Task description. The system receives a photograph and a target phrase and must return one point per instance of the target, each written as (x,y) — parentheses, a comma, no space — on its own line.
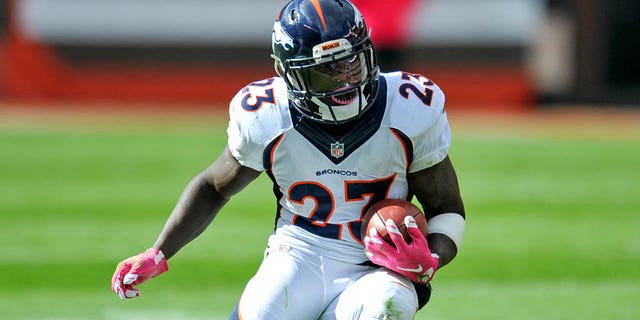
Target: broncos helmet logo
(281,37)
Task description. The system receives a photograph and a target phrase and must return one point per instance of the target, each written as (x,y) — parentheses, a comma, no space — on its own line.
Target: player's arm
(198,205)
(201,200)
(437,190)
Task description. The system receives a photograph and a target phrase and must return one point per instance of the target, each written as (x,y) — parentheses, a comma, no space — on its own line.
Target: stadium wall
(138,50)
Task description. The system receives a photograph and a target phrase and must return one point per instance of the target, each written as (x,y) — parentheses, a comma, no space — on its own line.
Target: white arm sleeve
(450,224)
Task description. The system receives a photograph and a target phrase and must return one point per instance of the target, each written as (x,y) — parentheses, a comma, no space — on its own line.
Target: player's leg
(285,287)
(380,294)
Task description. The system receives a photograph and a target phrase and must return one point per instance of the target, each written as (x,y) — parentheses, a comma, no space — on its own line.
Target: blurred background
(504,54)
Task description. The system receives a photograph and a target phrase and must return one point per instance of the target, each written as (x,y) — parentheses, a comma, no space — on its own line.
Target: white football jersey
(325,179)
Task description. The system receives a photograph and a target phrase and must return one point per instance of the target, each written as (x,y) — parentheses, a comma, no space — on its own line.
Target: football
(396,210)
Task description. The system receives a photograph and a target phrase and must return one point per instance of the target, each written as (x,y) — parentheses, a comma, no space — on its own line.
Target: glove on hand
(414,261)
(136,270)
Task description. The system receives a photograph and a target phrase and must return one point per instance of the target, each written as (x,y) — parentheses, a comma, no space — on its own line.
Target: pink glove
(414,261)
(136,270)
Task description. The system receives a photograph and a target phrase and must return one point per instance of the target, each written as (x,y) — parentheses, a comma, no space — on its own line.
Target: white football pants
(296,283)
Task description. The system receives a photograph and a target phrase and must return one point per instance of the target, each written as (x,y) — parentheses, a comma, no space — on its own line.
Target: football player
(335,136)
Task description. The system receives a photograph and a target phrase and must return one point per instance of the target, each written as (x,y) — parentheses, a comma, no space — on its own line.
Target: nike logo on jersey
(416,270)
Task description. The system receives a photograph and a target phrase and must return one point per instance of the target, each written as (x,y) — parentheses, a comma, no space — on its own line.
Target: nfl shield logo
(337,149)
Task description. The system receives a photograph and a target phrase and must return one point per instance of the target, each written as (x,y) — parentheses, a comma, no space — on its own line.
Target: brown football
(396,210)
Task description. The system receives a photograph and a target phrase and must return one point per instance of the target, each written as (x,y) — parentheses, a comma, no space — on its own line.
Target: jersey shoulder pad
(258,113)
(414,102)
(415,107)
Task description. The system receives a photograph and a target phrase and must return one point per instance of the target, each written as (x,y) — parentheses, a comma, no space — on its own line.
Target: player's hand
(136,270)
(413,260)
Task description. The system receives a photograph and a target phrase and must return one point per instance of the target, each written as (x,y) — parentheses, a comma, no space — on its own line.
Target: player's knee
(396,301)
(263,300)
(379,295)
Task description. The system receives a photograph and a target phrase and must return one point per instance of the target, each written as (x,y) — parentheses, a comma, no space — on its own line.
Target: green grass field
(553,228)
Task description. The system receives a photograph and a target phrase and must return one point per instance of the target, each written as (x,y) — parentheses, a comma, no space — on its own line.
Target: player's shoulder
(414,91)
(414,102)
(259,96)
(260,110)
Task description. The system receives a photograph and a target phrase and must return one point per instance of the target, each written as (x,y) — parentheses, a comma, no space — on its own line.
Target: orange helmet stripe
(316,5)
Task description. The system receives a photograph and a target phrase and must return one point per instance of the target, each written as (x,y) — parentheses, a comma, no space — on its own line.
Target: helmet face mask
(330,70)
